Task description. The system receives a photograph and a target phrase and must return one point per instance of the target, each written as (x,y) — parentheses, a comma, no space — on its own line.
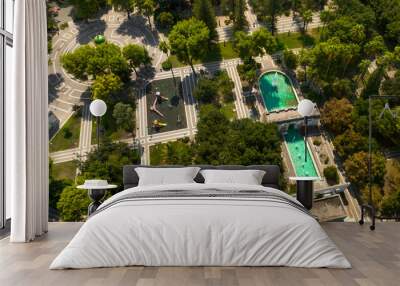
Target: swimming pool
(295,144)
(277,91)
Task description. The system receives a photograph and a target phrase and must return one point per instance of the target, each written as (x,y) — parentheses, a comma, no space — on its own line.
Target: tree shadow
(55,81)
(136,27)
(87,31)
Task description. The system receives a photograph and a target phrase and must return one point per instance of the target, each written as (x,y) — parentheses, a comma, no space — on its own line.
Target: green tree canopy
(336,115)
(106,86)
(356,167)
(350,142)
(188,40)
(89,60)
(206,91)
(204,11)
(220,141)
(124,116)
(136,56)
(73,204)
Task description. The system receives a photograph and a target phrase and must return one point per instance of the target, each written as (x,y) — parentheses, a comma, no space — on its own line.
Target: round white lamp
(98,108)
(305,108)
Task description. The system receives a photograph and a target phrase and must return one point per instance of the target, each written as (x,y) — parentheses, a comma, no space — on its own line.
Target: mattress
(201,225)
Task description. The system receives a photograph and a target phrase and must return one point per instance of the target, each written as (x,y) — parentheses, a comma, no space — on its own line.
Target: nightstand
(96,191)
(305,190)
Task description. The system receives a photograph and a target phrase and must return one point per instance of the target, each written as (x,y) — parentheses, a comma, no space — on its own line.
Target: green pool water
(277,92)
(295,143)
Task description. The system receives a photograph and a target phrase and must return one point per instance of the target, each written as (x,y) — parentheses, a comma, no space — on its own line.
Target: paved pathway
(64,90)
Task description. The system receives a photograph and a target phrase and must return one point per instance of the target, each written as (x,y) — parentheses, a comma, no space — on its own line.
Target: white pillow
(248,177)
(166,176)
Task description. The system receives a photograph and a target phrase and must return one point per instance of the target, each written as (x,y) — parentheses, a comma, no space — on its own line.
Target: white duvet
(200,231)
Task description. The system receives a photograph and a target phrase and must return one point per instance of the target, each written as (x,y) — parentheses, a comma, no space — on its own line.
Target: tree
(97,60)
(165,48)
(269,10)
(306,15)
(390,206)
(204,11)
(392,177)
(76,62)
(245,142)
(356,167)
(123,5)
(148,9)
(105,86)
(124,116)
(375,47)
(73,204)
(225,86)
(136,56)
(290,59)
(107,162)
(87,9)
(350,142)
(259,43)
(188,40)
(108,58)
(166,20)
(235,10)
(264,42)
(239,18)
(391,86)
(206,91)
(178,152)
(336,115)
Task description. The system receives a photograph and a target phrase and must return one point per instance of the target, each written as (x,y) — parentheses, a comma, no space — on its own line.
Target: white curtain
(27,124)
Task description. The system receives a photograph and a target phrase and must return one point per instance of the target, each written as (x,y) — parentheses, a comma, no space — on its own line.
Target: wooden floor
(375,257)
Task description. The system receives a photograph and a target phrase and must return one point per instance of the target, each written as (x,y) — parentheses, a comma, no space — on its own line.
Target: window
(6,43)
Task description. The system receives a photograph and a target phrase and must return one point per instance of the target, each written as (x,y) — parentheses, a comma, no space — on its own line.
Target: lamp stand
(369,207)
(305,138)
(98,132)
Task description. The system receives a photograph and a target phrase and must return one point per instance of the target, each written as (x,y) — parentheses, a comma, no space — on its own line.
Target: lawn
(66,170)
(228,109)
(68,136)
(171,109)
(219,52)
(109,129)
(295,40)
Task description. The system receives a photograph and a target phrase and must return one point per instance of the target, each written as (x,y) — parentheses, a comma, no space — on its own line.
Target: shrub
(67,133)
(63,26)
(166,65)
(331,175)
(317,142)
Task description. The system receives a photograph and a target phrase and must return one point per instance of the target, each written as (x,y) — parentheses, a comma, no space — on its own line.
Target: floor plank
(375,257)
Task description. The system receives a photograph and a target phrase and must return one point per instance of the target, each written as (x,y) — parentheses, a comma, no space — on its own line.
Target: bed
(201,224)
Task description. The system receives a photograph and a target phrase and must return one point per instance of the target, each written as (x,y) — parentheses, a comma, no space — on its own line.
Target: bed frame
(271,178)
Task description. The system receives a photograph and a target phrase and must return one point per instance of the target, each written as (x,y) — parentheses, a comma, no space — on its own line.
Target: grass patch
(65,170)
(228,109)
(68,136)
(295,40)
(110,131)
(217,53)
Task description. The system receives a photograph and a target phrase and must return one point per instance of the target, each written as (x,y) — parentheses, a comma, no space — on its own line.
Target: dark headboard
(271,178)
